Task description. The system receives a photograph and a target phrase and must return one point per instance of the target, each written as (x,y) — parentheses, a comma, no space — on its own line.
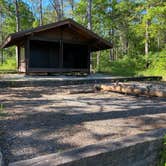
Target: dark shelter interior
(75,56)
(44,54)
(47,55)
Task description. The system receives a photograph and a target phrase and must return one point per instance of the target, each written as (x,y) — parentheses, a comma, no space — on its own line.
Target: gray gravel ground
(41,120)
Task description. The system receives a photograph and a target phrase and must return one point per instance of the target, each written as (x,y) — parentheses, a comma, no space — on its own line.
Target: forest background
(137,29)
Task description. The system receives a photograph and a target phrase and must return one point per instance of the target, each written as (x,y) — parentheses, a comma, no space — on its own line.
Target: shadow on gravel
(40,118)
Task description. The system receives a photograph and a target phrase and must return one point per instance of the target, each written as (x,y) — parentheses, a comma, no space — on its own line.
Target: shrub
(154,64)
(9,64)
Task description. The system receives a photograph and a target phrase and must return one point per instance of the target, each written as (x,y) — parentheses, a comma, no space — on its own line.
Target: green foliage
(8,17)
(1,107)
(126,66)
(157,65)
(2,113)
(134,66)
(8,65)
(162,161)
(124,23)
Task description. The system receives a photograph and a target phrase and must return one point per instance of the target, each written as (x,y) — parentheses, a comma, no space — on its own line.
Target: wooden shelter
(63,46)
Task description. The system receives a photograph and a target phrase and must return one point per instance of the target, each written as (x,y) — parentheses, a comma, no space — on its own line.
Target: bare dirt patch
(43,120)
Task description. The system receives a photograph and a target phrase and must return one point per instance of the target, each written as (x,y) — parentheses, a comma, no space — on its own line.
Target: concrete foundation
(139,150)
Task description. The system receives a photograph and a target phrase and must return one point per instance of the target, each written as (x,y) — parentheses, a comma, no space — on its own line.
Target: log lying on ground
(157,93)
(133,90)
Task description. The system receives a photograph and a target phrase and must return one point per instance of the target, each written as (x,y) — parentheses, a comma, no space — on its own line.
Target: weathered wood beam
(49,70)
(61,54)
(61,49)
(58,40)
(89,60)
(75,42)
(27,55)
(44,39)
(18,58)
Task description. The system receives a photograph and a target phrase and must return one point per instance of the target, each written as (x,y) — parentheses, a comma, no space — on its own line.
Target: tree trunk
(112,54)
(112,40)
(41,12)
(58,9)
(158,43)
(62,10)
(98,61)
(89,26)
(1,35)
(146,38)
(89,13)
(147,24)
(147,42)
(112,29)
(17,26)
(17,15)
(126,46)
(57,6)
(1,56)
(72,6)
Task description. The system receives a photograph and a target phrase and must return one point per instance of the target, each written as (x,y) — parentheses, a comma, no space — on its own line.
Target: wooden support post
(89,61)
(27,55)
(61,54)
(1,52)
(61,51)
(18,57)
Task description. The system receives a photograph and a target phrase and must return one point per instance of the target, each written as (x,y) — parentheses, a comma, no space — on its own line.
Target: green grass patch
(124,67)
(162,161)
(135,66)
(157,65)
(2,113)
(8,66)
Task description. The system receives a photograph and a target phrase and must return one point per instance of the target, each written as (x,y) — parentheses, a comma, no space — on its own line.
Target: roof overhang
(97,44)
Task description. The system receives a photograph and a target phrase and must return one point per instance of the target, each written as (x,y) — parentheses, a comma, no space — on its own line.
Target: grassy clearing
(136,66)
(123,67)
(2,113)
(8,66)
(157,66)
